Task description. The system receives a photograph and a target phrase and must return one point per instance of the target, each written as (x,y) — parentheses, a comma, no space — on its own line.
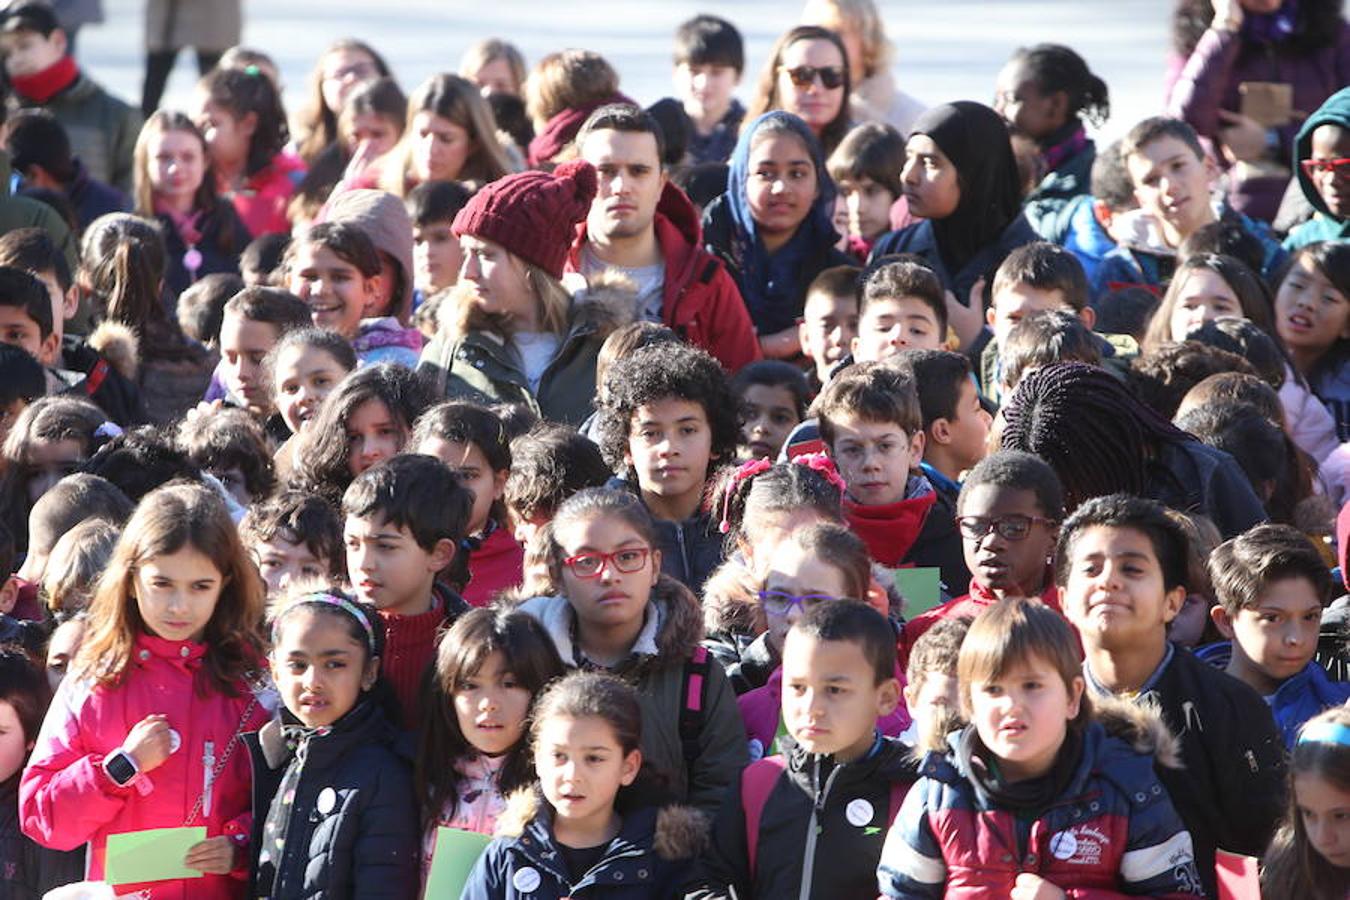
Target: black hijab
(975,139)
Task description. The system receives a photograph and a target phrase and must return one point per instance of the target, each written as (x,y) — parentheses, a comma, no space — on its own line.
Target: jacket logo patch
(1079,846)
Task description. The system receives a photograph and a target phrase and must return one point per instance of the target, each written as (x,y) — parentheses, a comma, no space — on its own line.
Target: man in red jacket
(644,228)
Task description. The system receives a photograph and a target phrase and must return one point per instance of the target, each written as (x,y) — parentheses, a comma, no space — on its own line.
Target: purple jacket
(1208,82)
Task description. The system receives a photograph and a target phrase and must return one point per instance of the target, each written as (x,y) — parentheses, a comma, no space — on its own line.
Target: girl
(960,176)
(305,365)
(334,810)
(49,440)
(562,91)
(450,136)
(366,420)
(774,225)
(773,396)
(619,613)
(510,331)
(1308,857)
(1312,317)
(807,75)
(145,731)
(335,268)
(470,440)
(474,750)
(496,66)
(1039,777)
(585,831)
(1045,92)
(176,184)
(240,114)
(344,65)
(1205,287)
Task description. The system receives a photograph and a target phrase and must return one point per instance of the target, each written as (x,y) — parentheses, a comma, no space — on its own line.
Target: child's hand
(1034,887)
(966,319)
(214,856)
(150,742)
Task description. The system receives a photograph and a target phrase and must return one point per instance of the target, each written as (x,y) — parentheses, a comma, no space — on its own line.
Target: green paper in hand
(921,587)
(155,854)
(456,852)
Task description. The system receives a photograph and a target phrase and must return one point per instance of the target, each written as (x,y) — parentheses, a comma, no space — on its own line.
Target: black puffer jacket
(353,827)
(28,870)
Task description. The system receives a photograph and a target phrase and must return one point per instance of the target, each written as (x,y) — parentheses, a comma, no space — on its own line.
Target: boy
(872,427)
(202,306)
(40,151)
(709,60)
(26,315)
(902,307)
(404,521)
(436,256)
(955,424)
(230,444)
(102,128)
(931,686)
(829,321)
(780,832)
(252,322)
(1087,225)
(1172,177)
(666,417)
(22,381)
(866,166)
(1321,151)
(1122,578)
(293,536)
(1272,586)
(1042,339)
(549,463)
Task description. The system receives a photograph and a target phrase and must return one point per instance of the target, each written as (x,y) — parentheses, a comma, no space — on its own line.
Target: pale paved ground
(946,49)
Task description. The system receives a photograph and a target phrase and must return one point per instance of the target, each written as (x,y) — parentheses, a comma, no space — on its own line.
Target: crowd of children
(509,491)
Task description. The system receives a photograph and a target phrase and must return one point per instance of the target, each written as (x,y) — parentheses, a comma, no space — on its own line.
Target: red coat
(261,203)
(701,302)
(66,799)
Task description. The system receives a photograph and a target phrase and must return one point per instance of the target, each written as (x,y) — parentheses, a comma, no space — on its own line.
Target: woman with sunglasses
(617,613)
(807,75)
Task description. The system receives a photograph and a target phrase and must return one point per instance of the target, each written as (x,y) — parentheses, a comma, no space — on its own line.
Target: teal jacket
(1323,226)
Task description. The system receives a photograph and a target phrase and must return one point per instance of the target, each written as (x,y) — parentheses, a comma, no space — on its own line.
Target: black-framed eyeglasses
(831,77)
(779,603)
(590,565)
(1014,527)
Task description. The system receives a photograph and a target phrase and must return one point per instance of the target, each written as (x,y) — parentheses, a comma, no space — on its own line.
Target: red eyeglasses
(590,565)
(1314,167)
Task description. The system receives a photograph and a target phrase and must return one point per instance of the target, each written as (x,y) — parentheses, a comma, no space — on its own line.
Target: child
(231,445)
(1323,141)
(810,823)
(261,260)
(619,613)
(1205,287)
(866,165)
(474,751)
(176,185)
(470,440)
(1072,795)
(335,268)
(1312,318)
(932,694)
(829,321)
(365,420)
(872,426)
(202,306)
(1008,514)
(1307,856)
(901,307)
(772,396)
(955,423)
(585,827)
(26,319)
(1042,339)
(159,696)
(294,537)
(549,463)
(1121,572)
(709,61)
(253,321)
(73,568)
(666,418)
(813,565)
(305,365)
(334,810)
(432,206)
(1271,586)
(240,114)
(404,521)
(22,381)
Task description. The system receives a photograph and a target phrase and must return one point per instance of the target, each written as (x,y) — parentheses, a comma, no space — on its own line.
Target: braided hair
(1084,422)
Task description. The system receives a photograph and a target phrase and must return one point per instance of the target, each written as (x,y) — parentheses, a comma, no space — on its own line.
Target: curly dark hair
(667,372)
(231,438)
(1163,376)
(244,91)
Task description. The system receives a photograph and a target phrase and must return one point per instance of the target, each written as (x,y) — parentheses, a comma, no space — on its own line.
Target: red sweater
(971,605)
(497,564)
(409,647)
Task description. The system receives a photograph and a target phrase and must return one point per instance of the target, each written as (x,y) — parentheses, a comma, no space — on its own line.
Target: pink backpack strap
(757,781)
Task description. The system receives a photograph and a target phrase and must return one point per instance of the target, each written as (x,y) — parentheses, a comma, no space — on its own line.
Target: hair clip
(824,466)
(108,429)
(744,472)
(1325,733)
(252,69)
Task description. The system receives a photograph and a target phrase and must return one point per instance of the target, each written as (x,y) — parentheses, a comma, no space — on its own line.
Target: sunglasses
(590,565)
(778,603)
(831,77)
(1314,167)
(1010,528)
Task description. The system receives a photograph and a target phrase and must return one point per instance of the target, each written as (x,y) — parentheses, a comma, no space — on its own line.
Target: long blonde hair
(553,299)
(456,100)
(167,520)
(865,19)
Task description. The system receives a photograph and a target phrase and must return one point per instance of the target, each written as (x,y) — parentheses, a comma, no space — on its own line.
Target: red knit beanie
(532,214)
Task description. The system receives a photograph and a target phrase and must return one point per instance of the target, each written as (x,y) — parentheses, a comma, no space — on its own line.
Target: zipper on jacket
(684,552)
(813,828)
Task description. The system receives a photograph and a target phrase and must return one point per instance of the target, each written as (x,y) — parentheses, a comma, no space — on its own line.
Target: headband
(323,598)
(1325,733)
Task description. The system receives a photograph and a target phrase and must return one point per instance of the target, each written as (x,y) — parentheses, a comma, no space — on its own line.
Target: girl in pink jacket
(146,732)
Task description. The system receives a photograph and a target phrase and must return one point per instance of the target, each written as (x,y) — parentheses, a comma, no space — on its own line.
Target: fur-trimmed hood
(681,831)
(1141,726)
(601,308)
(730,605)
(119,345)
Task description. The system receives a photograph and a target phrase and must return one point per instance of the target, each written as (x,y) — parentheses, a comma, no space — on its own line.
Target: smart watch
(120,767)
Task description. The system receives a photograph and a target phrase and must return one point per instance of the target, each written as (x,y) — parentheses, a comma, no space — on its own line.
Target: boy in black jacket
(1122,576)
(811,824)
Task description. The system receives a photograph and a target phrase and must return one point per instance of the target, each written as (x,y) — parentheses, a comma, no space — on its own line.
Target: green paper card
(155,854)
(456,852)
(921,587)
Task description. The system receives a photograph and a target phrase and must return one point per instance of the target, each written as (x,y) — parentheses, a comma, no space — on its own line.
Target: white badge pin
(327,801)
(859,812)
(175,741)
(526,880)
(1064,845)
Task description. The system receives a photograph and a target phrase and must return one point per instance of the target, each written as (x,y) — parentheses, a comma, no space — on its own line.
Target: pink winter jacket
(66,799)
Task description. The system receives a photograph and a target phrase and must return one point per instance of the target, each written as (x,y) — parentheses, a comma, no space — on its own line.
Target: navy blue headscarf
(769,282)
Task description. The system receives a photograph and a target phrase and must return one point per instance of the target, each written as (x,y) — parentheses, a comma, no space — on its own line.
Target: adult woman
(808,76)
(450,136)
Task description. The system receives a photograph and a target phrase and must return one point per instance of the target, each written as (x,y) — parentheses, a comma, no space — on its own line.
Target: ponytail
(1055,67)
(124,258)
